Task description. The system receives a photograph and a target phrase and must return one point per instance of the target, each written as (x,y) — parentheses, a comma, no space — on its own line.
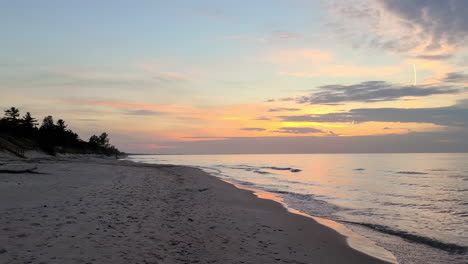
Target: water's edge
(354,240)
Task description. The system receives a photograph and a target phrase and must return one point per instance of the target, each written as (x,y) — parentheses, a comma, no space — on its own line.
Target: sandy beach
(93,210)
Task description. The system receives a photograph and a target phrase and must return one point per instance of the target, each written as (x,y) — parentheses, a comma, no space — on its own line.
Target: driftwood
(30,171)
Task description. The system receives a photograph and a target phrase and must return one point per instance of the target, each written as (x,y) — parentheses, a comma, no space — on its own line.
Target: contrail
(415,75)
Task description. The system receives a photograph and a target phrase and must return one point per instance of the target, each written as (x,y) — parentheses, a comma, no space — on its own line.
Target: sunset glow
(205,71)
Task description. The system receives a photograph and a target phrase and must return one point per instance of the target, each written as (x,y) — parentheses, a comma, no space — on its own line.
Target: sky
(220,77)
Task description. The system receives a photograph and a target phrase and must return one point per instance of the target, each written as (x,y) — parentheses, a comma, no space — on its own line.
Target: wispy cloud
(287,56)
(434,57)
(137,108)
(262,118)
(157,71)
(170,76)
(343,70)
(283,109)
(142,112)
(253,129)
(298,130)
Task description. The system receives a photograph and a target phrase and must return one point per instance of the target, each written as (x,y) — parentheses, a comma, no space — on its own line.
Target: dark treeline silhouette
(49,136)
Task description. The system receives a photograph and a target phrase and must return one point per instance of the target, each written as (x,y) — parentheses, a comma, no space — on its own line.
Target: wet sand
(91,210)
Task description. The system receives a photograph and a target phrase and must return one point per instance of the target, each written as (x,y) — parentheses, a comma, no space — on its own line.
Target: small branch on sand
(30,171)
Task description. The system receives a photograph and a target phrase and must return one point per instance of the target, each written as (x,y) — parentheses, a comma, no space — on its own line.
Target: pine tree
(12,114)
(29,121)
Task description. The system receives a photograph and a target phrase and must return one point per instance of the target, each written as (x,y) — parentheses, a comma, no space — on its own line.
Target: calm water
(415,205)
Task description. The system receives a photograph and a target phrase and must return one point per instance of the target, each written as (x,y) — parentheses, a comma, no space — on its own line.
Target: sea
(412,205)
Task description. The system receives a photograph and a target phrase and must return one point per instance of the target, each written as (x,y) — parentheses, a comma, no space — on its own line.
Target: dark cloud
(430,24)
(262,118)
(463,103)
(445,116)
(142,112)
(456,77)
(298,130)
(444,21)
(282,109)
(434,57)
(253,129)
(372,91)
(280,100)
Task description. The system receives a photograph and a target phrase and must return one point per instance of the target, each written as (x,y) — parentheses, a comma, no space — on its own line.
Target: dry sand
(89,210)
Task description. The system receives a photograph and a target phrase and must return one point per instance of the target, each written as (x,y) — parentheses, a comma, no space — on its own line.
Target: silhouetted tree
(51,137)
(94,141)
(61,125)
(29,121)
(104,140)
(48,123)
(12,113)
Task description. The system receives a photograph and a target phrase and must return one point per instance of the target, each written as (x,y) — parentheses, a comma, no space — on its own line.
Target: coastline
(88,209)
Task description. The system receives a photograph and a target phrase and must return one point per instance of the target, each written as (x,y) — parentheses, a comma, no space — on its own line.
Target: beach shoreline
(94,210)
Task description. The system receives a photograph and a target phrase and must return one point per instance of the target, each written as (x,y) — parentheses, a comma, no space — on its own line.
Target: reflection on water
(419,197)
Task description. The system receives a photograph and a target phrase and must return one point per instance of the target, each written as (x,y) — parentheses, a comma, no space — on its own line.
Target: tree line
(51,136)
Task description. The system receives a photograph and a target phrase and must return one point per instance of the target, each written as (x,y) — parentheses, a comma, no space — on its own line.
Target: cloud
(434,57)
(371,91)
(422,26)
(282,109)
(262,118)
(253,129)
(298,130)
(208,138)
(120,78)
(456,77)
(455,115)
(153,108)
(101,78)
(154,70)
(142,112)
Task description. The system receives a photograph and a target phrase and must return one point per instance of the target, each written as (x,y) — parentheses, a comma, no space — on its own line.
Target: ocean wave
(261,172)
(412,172)
(300,196)
(258,169)
(282,169)
(448,247)
(459,176)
